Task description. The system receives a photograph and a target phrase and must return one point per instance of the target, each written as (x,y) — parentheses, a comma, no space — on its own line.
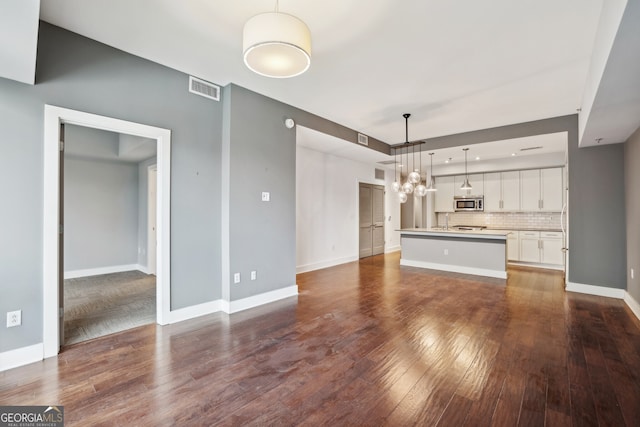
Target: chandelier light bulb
(407,188)
(402,197)
(414,177)
(396,186)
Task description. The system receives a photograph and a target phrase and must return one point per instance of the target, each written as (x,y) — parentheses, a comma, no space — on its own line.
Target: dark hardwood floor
(365,343)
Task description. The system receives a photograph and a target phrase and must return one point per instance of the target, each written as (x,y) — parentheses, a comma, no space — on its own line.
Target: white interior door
(151,219)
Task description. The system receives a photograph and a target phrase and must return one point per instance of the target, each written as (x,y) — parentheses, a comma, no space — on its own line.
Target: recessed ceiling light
(448,160)
(477,157)
(513,154)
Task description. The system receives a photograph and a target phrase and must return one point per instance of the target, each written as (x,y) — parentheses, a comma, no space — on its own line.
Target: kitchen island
(479,252)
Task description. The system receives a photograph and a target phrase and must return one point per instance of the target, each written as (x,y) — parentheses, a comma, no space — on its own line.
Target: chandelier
(413,184)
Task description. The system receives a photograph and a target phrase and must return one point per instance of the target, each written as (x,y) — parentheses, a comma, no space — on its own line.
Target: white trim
(536,265)
(73,274)
(325,264)
(632,303)
(152,247)
(194,311)
(455,268)
(53,116)
(392,249)
(601,291)
(231,307)
(20,356)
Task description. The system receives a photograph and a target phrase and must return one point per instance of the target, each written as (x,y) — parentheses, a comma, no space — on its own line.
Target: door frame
(152,248)
(53,117)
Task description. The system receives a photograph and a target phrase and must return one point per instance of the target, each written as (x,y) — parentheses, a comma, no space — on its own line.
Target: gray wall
(77,73)
(632,195)
(100,214)
(262,157)
(597,232)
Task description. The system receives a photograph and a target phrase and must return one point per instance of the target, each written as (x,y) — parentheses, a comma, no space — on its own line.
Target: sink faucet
(446,221)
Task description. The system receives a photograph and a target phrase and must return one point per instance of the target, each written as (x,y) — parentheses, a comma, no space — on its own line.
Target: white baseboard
(632,304)
(537,265)
(73,274)
(455,268)
(324,264)
(390,249)
(601,291)
(231,307)
(21,356)
(194,311)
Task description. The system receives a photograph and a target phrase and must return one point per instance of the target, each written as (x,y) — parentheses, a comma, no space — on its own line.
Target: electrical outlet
(14,318)
(236,278)
(254,275)
(266,196)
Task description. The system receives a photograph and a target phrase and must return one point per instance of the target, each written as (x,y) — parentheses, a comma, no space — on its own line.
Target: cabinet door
(476,181)
(492,192)
(530,190)
(530,246)
(513,246)
(551,243)
(552,189)
(510,191)
(444,195)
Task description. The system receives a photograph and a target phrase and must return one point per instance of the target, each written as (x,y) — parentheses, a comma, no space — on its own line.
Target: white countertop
(470,234)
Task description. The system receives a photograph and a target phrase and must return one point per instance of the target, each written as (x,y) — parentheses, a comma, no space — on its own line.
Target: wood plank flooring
(366,343)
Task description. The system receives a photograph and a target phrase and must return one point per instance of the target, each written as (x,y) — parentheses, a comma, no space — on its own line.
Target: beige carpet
(101,305)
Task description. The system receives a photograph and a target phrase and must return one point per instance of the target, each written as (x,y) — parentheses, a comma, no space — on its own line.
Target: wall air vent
(363,139)
(204,88)
(531,148)
(379,173)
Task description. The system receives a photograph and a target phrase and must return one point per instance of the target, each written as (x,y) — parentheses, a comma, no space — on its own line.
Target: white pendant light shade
(432,186)
(466,185)
(396,186)
(276,45)
(407,188)
(414,177)
(421,190)
(402,197)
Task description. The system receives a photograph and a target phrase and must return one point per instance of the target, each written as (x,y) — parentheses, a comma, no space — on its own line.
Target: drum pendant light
(276,45)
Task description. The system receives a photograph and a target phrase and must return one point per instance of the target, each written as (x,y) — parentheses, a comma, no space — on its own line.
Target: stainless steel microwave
(464,204)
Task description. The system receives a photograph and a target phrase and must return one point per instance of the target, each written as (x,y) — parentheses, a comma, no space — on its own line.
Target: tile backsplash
(511,220)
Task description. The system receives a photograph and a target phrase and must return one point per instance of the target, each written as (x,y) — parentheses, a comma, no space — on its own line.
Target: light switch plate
(254,275)
(266,196)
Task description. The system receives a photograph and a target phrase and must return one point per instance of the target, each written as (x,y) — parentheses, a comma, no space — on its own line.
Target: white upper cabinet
(541,190)
(444,195)
(502,191)
(492,192)
(552,187)
(510,191)
(477,183)
(530,190)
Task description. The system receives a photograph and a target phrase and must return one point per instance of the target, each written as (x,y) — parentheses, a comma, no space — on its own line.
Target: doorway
(371,207)
(52,226)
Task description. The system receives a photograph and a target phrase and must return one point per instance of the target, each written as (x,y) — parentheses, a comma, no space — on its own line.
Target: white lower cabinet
(551,247)
(541,247)
(529,246)
(513,246)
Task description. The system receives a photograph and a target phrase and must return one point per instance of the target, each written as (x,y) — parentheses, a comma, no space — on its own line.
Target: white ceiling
(456,66)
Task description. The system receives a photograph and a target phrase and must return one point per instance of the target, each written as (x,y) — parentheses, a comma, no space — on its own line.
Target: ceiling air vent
(531,148)
(203,88)
(363,139)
